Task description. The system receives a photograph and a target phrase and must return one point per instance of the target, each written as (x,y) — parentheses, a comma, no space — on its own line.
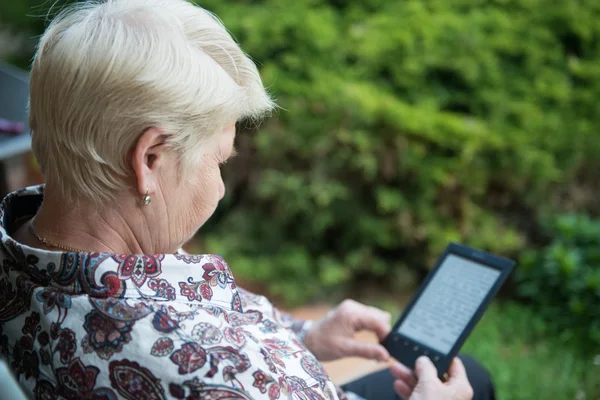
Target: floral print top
(108,326)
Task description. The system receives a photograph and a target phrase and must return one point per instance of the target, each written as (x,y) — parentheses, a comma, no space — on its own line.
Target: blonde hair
(105,71)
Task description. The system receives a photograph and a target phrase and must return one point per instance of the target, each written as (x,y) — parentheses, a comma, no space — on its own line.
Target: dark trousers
(380,385)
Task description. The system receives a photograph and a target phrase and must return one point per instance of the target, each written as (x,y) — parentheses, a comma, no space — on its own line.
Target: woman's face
(191,201)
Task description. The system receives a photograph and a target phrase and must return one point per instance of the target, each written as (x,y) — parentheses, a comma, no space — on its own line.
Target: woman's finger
(364,319)
(384,315)
(402,389)
(403,373)
(425,370)
(358,316)
(457,370)
(458,379)
(371,351)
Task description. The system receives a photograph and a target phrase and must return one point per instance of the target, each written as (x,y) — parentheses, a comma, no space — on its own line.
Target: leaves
(407,125)
(404,125)
(527,360)
(562,278)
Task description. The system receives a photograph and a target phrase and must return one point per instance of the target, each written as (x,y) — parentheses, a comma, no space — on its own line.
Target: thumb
(425,370)
(459,380)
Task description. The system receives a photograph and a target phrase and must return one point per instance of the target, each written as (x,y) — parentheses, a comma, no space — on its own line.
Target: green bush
(405,125)
(562,280)
(21,23)
(527,361)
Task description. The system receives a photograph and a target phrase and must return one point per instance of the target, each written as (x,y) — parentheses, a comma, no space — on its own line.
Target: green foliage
(562,280)
(525,360)
(404,125)
(22,21)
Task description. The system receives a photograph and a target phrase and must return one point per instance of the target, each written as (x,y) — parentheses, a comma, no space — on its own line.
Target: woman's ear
(146,156)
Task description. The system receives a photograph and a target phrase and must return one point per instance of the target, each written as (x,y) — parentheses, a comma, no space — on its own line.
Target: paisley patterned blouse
(108,326)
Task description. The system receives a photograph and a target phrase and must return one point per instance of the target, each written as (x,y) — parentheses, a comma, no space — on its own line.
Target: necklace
(48,243)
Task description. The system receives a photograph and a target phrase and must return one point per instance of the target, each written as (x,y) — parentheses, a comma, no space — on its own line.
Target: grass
(527,362)
(526,359)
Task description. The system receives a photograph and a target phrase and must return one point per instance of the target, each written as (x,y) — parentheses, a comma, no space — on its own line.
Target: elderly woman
(133,110)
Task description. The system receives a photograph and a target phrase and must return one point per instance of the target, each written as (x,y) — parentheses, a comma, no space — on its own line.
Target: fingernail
(423,360)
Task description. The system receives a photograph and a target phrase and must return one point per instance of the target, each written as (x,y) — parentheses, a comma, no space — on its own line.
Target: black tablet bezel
(406,349)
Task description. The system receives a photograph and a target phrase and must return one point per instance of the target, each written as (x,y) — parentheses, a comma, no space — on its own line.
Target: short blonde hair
(105,71)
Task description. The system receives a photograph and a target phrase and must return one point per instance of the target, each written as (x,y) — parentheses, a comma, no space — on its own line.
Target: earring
(147,199)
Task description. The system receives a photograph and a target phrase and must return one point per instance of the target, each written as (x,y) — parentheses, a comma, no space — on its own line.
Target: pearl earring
(147,199)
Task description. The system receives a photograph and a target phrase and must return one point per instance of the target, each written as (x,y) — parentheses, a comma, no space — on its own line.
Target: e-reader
(447,306)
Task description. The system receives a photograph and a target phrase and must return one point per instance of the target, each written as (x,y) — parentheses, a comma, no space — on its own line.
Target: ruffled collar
(201,279)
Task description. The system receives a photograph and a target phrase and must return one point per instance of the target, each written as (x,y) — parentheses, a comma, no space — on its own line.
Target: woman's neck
(123,229)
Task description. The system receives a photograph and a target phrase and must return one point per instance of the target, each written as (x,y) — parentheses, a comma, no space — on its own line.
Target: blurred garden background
(405,125)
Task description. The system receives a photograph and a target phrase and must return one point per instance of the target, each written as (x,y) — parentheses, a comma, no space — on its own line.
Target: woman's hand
(426,384)
(333,336)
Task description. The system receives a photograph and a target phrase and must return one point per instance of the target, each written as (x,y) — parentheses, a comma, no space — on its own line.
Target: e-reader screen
(448,303)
